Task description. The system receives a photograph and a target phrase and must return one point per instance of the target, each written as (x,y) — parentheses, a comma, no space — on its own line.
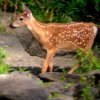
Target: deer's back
(70,36)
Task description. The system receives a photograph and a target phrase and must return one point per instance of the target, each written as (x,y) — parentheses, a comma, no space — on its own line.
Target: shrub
(88,62)
(59,10)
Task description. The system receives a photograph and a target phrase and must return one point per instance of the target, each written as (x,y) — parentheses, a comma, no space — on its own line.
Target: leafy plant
(54,95)
(88,62)
(2,55)
(58,10)
(86,93)
(22,69)
(4,68)
(68,85)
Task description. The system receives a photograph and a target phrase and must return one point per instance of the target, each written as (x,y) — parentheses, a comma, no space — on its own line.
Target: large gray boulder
(63,86)
(21,86)
(16,54)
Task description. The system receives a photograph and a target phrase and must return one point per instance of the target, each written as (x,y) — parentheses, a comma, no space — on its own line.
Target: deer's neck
(37,28)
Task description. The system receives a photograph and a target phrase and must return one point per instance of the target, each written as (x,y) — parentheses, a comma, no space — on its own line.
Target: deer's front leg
(48,61)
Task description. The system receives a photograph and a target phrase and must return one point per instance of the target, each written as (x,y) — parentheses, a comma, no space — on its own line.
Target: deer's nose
(11,26)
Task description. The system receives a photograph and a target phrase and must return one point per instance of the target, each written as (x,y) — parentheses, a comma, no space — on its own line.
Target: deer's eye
(20,19)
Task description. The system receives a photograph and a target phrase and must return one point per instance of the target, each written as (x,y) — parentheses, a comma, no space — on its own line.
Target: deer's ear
(27,10)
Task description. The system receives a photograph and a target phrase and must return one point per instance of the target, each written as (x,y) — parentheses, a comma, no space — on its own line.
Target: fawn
(57,36)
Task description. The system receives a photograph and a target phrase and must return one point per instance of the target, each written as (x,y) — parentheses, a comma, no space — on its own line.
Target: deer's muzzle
(11,26)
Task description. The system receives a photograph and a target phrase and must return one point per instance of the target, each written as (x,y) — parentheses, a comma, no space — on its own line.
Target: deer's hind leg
(75,67)
(85,53)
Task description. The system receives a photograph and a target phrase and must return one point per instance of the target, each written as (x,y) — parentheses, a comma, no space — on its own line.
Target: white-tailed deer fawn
(56,36)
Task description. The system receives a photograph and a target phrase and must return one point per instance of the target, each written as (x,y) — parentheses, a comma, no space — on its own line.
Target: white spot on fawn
(47,33)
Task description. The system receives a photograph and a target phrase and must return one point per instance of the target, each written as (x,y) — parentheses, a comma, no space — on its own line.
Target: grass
(54,95)
(2,28)
(23,69)
(4,68)
(86,93)
(68,85)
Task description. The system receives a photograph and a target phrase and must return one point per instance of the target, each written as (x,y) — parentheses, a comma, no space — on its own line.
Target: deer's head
(22,18)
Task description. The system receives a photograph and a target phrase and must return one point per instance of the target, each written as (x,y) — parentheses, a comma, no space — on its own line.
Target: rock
(94,72)
(21,86)
(96,75)
(35,49)
(61,83)
(54,87)
(55,91)
(17,56)
(62,77)
(64,61)
(30,44)
(24,36)
(63,97)
(71,85)
(51,76)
